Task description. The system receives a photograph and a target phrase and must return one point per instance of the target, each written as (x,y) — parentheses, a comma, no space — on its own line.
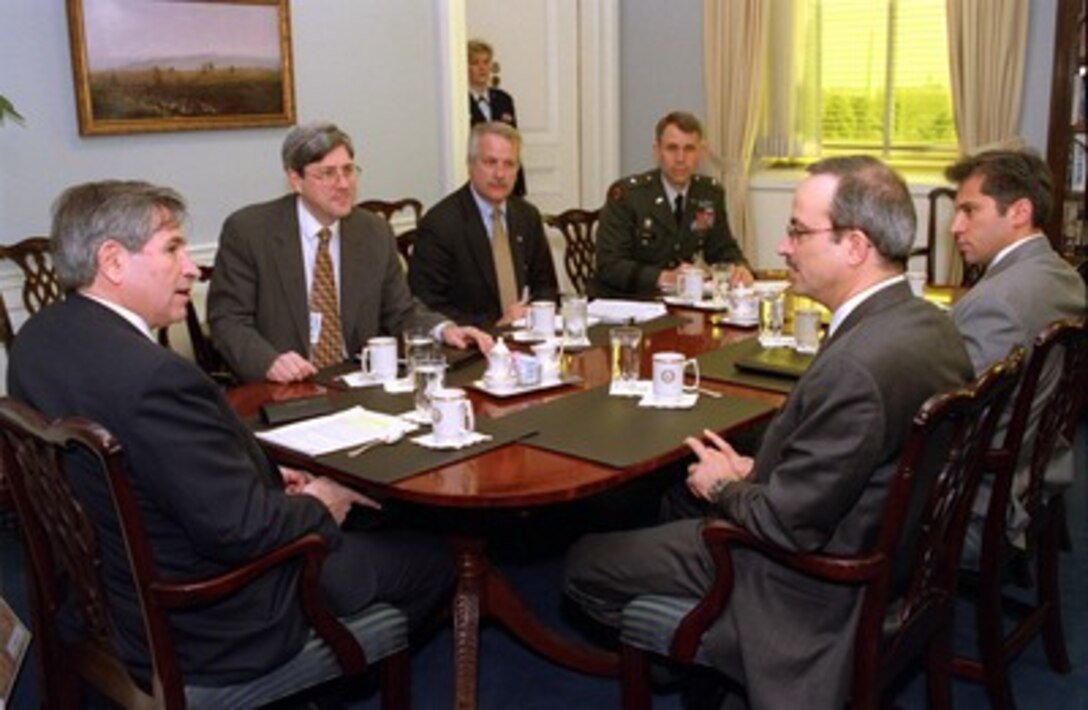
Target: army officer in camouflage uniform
(644,236)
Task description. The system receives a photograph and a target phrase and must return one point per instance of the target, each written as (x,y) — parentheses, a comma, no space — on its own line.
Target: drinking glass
(418,345)
(575,319)
(625,342)
(428,375)
(772,313)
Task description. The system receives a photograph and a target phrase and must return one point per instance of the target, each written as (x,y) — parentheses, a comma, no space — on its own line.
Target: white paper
(332,432)
(611,310)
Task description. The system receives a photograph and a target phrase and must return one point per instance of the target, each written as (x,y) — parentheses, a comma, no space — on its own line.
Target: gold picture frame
(181,65)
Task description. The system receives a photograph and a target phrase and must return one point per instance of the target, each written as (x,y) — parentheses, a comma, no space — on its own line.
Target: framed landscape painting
(178,65)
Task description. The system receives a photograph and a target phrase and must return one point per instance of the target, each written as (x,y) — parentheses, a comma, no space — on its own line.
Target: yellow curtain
(987,40)
(735,49)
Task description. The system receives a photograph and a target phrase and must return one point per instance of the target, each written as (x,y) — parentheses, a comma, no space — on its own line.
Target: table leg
(483,593)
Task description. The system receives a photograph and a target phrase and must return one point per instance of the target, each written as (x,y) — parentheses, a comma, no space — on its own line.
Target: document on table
(612,310)
(332,432)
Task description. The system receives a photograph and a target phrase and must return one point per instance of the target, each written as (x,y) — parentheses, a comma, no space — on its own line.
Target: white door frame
(599,123)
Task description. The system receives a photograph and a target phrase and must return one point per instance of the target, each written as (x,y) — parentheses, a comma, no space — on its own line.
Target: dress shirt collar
(1013,247)
(671,192)
(308,227)
(486,208)
(136,321)
(857,299)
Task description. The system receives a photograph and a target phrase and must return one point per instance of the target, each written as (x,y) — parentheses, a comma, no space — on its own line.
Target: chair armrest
(312,549)
(720,536)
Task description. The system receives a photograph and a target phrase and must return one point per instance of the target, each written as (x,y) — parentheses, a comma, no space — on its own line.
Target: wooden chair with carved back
(40,288)
(1053,386)
(579,230)
(907,579)
(65,552)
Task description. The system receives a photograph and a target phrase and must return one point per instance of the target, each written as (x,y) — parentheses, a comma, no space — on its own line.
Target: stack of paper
(611,310)
(332,432)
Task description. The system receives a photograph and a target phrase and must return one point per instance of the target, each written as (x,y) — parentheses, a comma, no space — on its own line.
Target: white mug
(743,304)
(451,415)
(379,358)
(689,283)
(548,354)
(541,318)
(669,375)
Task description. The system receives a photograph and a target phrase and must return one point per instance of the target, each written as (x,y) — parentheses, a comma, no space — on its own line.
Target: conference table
(548,448)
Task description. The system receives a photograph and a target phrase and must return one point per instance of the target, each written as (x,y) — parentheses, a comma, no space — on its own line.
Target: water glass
(806,329)
(772,313)
(625,342)
(428,376)
(418,345)
(575,309)
(720,276)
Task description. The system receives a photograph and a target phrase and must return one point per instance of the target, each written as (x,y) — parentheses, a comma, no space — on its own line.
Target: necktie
(504,262)
(485,107)
(678,211)
(329,349)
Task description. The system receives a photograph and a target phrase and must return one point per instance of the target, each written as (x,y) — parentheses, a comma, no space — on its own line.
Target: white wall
(661,70)
(370,66)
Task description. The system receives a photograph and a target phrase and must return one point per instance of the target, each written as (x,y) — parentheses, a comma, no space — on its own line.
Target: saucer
(731,320)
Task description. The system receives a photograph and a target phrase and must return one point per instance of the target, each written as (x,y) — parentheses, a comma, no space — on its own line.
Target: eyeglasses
(795,232)
(328,175)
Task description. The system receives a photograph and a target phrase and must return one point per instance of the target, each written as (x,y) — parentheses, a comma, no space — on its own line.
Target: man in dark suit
(454,267)
(487,103)
(1004,199)
(654,223)
(819,479)
(262,305)
(209,497)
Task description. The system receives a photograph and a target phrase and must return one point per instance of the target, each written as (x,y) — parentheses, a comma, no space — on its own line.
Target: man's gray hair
(493,128)
(86,216)
(872,198)
(311,142)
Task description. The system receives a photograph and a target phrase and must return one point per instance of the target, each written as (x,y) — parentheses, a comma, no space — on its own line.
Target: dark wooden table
(518,477)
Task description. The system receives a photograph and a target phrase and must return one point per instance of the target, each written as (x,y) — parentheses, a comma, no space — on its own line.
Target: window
(852,76)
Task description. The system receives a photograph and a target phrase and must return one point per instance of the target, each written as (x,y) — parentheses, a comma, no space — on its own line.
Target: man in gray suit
(819,480)
(261,304)
(1003,200)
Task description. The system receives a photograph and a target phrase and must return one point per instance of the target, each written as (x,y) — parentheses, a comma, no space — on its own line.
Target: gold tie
(330,342)
(504,262)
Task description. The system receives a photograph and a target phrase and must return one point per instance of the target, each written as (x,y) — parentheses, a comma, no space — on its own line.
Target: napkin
(361,379)
(611,310)
(428,441)
(684,401)
(781,341)
(399,386)
(630,388)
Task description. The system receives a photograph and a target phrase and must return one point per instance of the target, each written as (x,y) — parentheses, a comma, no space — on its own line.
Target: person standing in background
(486,102)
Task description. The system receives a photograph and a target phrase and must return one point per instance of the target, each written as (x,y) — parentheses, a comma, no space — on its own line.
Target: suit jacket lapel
(880,300)
(477,241)
(354,261)
(289,268)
